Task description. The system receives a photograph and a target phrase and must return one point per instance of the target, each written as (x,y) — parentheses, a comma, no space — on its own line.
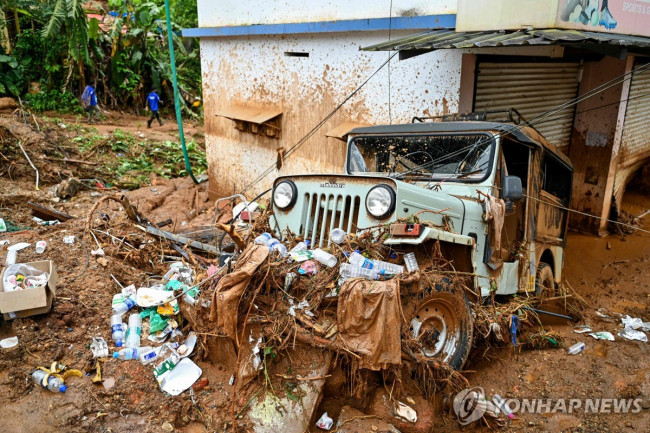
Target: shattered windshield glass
(464,157)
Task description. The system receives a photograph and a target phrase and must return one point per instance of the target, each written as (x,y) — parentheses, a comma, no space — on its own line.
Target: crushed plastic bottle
(53,384)
(324,257)
(338,236)
(117,329)
(131,352)
(300,246)
(134,331)
(276,245)
(576,348)
(122,304)
(411,262)
(263,239)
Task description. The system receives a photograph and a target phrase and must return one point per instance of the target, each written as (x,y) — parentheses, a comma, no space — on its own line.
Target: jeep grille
(323,212)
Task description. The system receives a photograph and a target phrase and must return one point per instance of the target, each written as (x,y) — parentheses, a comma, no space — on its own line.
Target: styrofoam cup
(40,246)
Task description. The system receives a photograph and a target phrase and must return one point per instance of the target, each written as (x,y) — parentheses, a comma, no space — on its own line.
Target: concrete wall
(476,15)
(592,144)
(213,13)
(253,70)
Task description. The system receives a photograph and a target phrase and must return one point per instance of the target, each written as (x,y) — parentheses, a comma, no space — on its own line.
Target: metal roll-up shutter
(635,141)
(532,89)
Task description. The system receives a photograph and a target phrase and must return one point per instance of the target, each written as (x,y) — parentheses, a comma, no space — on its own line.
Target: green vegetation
(127,161)
(50,50)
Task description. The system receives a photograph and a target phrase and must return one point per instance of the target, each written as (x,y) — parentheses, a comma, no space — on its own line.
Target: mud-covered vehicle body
(445,173)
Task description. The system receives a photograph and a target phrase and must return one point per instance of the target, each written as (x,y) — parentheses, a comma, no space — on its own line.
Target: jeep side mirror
(512,189)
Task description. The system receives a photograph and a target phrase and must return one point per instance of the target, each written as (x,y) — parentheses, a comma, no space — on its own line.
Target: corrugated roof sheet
(450,39)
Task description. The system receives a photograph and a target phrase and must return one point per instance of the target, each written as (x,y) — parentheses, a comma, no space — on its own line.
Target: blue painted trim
(362,25)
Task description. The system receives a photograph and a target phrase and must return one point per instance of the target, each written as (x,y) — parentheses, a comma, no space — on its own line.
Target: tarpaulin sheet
(369,321)
(231,287)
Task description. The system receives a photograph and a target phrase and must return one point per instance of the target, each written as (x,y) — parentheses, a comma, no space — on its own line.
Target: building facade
(272,72)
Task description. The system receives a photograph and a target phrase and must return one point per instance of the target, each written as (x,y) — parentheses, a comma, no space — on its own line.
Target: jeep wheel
(442,325)
(544,281)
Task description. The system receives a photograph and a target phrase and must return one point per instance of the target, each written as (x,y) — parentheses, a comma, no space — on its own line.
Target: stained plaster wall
(592,143)
(254,71)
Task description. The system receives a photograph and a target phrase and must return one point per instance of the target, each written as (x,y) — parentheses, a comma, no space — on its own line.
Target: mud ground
(610,273)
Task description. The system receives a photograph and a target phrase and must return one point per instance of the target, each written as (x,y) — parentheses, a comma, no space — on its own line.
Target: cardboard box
(29,302)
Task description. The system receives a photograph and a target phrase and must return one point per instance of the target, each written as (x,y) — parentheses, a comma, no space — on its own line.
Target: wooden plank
(181,239)
(48,214)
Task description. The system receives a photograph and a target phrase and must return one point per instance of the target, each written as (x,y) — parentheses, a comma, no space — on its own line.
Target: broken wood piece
(164,223)
(231,230)
(48,214)
(181,239)
(131,212)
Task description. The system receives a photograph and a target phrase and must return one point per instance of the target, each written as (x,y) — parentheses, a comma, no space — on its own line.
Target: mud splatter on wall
(255,71)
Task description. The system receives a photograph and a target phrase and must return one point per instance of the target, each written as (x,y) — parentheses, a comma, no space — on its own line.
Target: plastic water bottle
(300,246)
(324,257)
(134,331)
(117,329)
(338,236)
(54,384)
(276,245)
(150,354)
(386,268)
(358,260)
(347,271)
(122,304)
(411,262)
(263,239)
(382,268)
(576,348)
(131,352)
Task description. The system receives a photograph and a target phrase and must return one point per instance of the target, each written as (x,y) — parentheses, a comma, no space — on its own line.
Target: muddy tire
(442,325)
(544,281)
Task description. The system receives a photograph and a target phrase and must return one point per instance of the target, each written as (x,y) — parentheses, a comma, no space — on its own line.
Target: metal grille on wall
(635,142)
(532,89)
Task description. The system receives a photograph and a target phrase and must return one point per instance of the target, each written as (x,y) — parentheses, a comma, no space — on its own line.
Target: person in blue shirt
(152,101)
(89,101)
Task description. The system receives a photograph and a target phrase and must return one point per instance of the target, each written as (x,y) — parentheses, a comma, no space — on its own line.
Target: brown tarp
(369,321)
(230,288)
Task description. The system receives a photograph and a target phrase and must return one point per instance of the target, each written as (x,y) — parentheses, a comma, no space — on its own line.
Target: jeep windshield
(453,157)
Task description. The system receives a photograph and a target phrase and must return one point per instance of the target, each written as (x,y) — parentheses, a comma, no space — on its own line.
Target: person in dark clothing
(152,101)
(89,101)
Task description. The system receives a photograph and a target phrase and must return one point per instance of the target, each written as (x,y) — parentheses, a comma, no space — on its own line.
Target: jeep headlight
(380,201)
(285,194)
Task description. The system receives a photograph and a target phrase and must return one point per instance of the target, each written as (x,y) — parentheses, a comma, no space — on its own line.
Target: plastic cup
(40,246)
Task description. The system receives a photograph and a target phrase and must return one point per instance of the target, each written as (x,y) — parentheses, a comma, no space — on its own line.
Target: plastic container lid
(62,388)
(116,355)
(118,344)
